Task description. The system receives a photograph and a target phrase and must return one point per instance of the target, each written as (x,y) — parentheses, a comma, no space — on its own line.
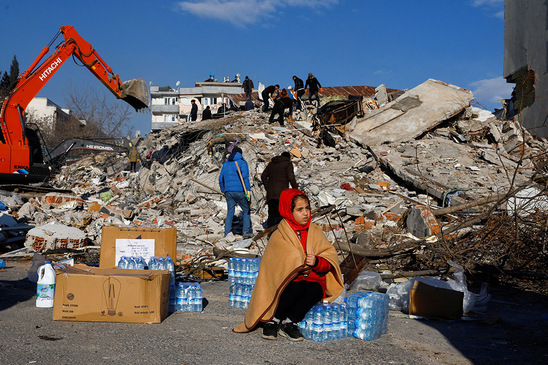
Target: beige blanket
(282,261)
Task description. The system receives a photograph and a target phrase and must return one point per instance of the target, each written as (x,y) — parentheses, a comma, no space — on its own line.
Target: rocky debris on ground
(392,201)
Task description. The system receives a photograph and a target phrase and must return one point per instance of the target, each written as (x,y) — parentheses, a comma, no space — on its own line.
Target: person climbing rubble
(299,268)
(234,184)
(269,92)
(313,87)
(280,104)
(299,89)
(276,177)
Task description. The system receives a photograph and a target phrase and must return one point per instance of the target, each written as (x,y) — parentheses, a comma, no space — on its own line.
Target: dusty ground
(513,331)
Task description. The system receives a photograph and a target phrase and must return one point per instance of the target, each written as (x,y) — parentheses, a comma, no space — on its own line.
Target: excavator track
(32,190)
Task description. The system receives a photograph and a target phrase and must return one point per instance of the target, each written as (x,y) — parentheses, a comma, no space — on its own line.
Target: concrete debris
(418,154)
(413,113)
(55,236)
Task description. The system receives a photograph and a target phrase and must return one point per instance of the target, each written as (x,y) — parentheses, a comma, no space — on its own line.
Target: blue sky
(399,43)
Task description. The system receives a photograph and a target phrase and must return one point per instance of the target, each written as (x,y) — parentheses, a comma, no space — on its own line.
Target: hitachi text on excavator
(21,157)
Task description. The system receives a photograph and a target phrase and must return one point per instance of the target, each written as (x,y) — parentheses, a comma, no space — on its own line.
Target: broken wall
(526,61)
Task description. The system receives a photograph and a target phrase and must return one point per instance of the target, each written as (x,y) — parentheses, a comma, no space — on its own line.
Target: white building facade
(48,114)
(171,107)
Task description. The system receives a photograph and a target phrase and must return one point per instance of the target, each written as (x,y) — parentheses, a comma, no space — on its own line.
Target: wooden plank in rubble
(352,266)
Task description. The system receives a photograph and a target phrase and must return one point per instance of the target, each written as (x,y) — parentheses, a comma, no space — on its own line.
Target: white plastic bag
(367,280)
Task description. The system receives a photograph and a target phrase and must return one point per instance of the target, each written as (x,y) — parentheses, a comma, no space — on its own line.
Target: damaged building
(526,63)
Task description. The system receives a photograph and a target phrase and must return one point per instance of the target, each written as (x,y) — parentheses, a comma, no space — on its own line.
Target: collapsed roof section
(411,114)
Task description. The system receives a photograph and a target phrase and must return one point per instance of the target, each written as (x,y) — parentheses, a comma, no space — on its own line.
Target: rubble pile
(400,203)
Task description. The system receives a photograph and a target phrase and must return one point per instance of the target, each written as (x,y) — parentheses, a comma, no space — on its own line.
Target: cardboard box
(134,241)
(84,293)
(429,301)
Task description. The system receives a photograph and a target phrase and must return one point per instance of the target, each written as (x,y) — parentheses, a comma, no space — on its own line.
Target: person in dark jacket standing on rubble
(267,93)
(314,87)
(248,87)
(299,89)
(280,104)
(193,111)
(235,170)
(206,114)
(276,177)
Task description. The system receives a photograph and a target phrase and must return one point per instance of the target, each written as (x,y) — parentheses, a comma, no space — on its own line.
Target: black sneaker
(291,331)
(270,330)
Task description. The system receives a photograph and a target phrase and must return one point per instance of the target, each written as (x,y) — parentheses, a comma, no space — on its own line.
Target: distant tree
(14,73)
(5,81)
(9,81)
(4,86)
(108,115)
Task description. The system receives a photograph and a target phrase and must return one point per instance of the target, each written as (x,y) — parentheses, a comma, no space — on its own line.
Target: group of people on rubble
(299,266)
(284,99)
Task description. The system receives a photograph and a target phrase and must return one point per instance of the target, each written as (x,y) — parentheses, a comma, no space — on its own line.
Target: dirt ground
(513,331)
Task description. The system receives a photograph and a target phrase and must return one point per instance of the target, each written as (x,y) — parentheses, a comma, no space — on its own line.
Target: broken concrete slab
(439,166)
(412,114)
(55,236)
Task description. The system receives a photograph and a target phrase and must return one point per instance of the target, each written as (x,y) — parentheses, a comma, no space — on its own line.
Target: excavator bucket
(136,93)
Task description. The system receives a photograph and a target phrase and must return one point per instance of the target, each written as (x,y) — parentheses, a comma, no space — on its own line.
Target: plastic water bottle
(328,321)
(247,290)
(45,289)
(122,264)
(199,298)
(239,296)
(162,264)
(237,270)
(231,270)
(335,320)
(131,264)
(317,324)
(232,296)
(141,263)
(152,263)
(182,298)
(190,297)
(341,320)
(172,298)
(170,264)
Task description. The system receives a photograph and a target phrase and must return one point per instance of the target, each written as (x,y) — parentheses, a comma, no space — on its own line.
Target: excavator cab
(136,93)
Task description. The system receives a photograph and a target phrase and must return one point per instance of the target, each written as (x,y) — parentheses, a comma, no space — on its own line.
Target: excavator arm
(135,92)
(14,143)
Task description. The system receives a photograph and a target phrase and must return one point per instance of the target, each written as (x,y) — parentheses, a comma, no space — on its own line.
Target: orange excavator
(21,158)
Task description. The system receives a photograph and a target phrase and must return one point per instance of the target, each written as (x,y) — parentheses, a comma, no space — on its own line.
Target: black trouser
(265,99)
(277,109)
(274,216)
(132,165)
(297,299)
(248,95)
(315,95)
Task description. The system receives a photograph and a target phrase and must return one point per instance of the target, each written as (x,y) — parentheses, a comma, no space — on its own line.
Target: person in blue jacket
(231,185)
